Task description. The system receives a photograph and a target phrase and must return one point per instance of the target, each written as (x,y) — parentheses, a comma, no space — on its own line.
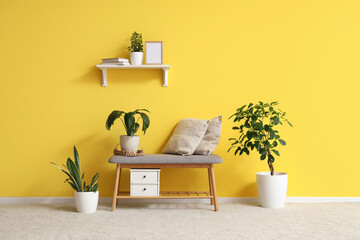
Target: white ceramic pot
(86,202)
(136,58)
(129,143)
(272,189)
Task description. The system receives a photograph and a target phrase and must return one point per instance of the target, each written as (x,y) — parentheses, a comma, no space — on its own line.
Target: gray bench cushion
(166,159)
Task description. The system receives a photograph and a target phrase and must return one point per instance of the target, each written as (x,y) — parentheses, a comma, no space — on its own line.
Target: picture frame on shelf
(153,52)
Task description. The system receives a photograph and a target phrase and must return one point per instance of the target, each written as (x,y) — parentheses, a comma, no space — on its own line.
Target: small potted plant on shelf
(256,127)
(86,196)
(130,141)
(136,49)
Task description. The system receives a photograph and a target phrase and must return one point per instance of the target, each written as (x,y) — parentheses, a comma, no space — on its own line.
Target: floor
(182,221)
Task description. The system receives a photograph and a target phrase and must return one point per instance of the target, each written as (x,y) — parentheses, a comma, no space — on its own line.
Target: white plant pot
(272,189)
(129,143)
(136,58)
(86,202)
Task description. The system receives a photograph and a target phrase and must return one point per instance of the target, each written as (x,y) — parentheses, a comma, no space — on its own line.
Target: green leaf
(235,128)
(267,128)
(240,109)
(230,148)
(272,135)
(289,123)
(276,121)
(266,143)
(136,127)
(129,123)
(276,152)
(275,143)
(282,142)
(263,156)
(271,158)
(262,151)
(74,172)
(145,120)
(246,150)
(77,159)
(73,186)
(258,126)
(94,180)
(70,177)
(250,105)
(249,135)
(237,150)
(112,117)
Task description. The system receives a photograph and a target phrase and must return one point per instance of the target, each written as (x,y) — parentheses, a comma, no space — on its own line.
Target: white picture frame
(153,52)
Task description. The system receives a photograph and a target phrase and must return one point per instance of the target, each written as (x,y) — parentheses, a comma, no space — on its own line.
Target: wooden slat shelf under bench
(168,195)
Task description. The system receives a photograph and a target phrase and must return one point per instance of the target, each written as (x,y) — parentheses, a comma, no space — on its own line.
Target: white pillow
(187,136)
(211,138)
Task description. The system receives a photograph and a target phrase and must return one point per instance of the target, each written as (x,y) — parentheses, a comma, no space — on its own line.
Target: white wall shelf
(104,69)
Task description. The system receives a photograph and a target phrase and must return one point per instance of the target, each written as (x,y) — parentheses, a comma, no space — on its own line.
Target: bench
(167,161)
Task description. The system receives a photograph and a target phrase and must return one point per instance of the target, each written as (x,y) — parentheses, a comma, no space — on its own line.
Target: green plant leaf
(112,117)
(262,156)
(77,159)
(276,152)
(249,135)
(258,126)
(272,135)
(262,151)
(267,128)
(94,179)
(282,142)
(74,172)
(237,150)
(276,121)
(275,143)
(129,123)
(235,128)
(136,127)
(271,158)
(246,150)
(145,120)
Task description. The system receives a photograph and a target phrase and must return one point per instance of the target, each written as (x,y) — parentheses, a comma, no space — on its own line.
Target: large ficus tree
(256,127)
(129,120)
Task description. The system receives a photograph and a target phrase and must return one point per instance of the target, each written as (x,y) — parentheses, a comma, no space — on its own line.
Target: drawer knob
(144,189)
(144,176)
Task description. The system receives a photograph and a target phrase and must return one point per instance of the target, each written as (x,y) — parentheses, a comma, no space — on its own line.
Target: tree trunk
(271,167)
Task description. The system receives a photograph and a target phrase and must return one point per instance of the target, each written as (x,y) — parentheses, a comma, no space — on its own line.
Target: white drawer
(144,176)
(144,190)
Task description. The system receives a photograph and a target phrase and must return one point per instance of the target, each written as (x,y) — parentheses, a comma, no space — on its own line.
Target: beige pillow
(211,138)
(187,136)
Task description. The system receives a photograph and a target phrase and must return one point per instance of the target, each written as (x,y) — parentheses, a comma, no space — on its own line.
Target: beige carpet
(182,221)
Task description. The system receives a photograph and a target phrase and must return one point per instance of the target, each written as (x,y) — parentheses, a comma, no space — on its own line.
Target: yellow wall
(222,54)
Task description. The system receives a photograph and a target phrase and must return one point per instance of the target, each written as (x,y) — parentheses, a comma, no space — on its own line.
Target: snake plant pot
(129,143)
(272,189)
(136,58)
(86,202)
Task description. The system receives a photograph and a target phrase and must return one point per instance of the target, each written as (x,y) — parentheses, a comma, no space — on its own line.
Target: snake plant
(73,172)
(128,119)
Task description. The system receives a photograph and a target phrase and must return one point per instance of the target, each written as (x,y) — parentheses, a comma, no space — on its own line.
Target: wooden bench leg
(116,187)
(214,187)
(210,187)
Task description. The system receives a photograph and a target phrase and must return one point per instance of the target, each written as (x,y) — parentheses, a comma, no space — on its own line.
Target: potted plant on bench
(129,142)
(86,196)
(257,131)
